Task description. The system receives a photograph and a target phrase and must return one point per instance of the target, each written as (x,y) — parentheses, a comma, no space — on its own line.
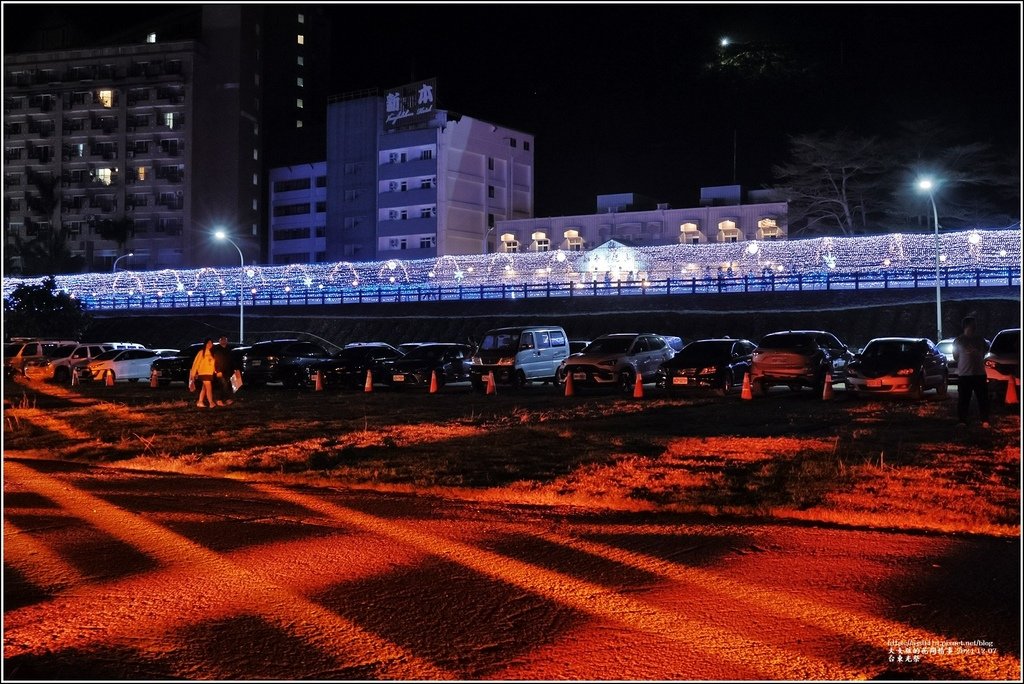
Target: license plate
(874,383)
(680,381)
(256,362)
(579,376)
(398,378)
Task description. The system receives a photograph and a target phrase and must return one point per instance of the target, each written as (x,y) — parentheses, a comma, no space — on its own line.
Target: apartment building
(298,214)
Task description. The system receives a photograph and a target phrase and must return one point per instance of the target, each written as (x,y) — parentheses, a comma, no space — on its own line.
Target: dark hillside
(856,316)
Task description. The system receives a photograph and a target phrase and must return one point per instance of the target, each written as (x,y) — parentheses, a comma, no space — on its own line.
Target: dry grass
(891,464)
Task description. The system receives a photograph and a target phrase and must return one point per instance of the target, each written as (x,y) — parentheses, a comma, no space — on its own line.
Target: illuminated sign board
(409,104)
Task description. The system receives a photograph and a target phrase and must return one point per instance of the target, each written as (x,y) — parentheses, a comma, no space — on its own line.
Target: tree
(120,229)
(43,311)
(48,251)
(833,182)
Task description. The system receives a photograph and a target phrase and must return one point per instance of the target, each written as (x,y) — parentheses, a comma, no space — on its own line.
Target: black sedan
(450,361)
(898,365)
(347,368)
(714,364)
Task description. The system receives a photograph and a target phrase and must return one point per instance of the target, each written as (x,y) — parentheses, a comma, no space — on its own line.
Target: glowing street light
(928,185)
(221,235)
(123,256)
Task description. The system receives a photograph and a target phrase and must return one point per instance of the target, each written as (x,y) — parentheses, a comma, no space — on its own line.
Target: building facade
(298,214)
(721,218)
(423,185)
(150,145)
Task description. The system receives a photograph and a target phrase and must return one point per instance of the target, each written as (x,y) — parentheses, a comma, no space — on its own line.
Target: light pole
(123,256)
(927,185)
(221,235)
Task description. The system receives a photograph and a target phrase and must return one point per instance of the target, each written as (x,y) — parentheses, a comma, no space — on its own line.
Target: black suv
(283,361)
(798,358)
(347,368)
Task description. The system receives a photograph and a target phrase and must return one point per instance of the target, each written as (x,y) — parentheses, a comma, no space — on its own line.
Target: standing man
(224,368)
(969,349)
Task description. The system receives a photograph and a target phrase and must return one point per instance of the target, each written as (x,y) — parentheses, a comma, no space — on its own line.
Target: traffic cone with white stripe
(318,381)
(569,389)
(75,380)
(433,382)
(746,393)
(826,392)
(1011,391)
(368,387)
(638,387)
(110,378)
(154,380)
(491,388)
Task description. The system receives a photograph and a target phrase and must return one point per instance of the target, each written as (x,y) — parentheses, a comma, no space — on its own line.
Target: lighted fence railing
(379,294)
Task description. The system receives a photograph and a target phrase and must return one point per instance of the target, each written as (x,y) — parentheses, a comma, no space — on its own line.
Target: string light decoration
(894,256)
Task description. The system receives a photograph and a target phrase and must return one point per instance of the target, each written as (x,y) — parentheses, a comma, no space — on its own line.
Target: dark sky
(621,99)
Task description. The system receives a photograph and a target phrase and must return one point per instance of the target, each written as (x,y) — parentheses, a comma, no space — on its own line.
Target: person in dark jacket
(969,349)
(224,368)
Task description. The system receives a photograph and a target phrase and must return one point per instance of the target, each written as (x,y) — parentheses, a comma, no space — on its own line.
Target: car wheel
(61,374)
(917,391)
(758,388)
(943,389)
(727,385)
(627,380)
(519,379)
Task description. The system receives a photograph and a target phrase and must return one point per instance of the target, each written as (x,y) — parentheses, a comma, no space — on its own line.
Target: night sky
(621,97)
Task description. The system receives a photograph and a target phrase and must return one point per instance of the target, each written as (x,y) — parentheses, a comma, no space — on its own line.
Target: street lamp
(123,256)
(928,185)
(221,235)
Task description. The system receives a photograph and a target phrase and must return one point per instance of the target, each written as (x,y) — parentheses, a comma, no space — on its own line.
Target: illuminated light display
(893,256)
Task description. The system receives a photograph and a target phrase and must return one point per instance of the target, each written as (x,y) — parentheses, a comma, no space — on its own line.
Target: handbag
(236,381)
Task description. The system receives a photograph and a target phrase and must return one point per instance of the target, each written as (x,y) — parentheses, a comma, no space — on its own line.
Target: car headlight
(507,361)
(608,363)
(477,361)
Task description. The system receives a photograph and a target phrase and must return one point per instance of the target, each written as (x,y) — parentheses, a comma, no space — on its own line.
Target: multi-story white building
(720,218)
(406,179)
(298,214)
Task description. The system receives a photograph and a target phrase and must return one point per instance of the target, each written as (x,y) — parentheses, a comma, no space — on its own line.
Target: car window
(1005,342)
(526,341)
(557,338)
(107,355)
(655,343)
(609,345)
(541,337)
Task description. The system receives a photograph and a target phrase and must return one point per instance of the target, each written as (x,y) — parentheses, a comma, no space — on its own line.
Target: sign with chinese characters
(409,104)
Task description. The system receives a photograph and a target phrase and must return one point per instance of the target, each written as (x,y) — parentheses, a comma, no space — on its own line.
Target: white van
(519,355)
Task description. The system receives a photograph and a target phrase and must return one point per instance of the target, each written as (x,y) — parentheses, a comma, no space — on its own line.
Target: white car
(60,366)
(126,364)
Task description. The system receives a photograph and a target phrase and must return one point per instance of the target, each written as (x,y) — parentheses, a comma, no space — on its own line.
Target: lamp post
(221,235)
(123,256)
(927,185)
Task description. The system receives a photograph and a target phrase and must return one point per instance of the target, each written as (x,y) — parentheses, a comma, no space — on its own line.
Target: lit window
(255,179)
(254,205)
(298,102)
(150,37)
(298,123)
(298,82)
(255,153)
(140,173)
(169,119)
(300,39)
(302,18)
(104,176)
(106,98)
(300,61)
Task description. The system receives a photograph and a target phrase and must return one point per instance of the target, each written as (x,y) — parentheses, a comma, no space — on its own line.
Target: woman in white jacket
(203,368)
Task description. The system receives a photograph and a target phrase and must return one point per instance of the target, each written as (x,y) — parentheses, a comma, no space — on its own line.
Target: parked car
(407,347)
(125,364)
(946,347)
(347,368)
(898,365)
(1002,362)
(283,361)
(576,346)
(519,355)
(798,358)
(616,360)
(451,362)
(713,364)
(20,354)
(66,358)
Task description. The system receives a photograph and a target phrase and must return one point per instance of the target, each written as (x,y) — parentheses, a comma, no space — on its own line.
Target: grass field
(890,463)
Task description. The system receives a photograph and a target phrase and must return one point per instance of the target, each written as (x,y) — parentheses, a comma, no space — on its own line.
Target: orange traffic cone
(491,388)
(569,390)
(1011,391)
(110,378)
(318,381)
(638,388)
(368,387)
(433,382)
(154,380)
(826,393)
(74,376)
(746,393)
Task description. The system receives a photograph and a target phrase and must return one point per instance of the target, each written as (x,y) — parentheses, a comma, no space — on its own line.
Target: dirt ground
(885,463)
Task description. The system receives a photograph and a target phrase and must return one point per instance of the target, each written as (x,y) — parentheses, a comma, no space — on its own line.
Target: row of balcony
(95,72)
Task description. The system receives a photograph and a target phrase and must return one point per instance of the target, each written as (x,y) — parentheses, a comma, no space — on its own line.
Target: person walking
(224,368)
(969,349)
(203,368)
